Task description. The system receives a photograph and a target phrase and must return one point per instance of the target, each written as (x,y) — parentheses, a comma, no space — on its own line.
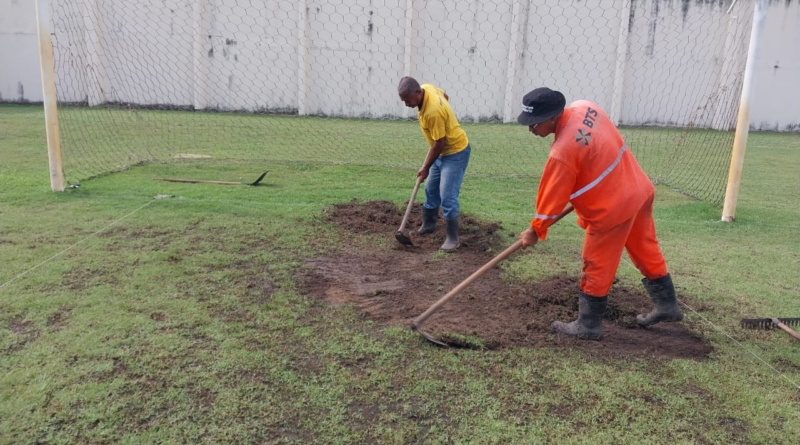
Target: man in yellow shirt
(447,159)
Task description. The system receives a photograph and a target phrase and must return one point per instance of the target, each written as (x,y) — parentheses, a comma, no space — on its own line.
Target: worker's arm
(433,154)
(555,187)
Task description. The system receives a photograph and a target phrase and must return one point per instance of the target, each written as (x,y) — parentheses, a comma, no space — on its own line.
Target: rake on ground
(209,181)
(772,323)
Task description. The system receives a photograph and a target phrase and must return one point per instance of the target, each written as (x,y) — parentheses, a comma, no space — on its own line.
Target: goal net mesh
(316,80)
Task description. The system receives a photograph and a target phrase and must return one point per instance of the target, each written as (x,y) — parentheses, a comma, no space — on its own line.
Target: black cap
(541,104)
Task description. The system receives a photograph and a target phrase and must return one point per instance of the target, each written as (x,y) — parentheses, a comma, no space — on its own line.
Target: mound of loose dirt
(393,285)
(384,218)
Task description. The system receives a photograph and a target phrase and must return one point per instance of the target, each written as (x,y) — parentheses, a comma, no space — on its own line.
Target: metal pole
(743,119)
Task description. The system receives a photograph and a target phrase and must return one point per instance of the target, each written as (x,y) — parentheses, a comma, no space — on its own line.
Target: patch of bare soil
(58,319)
(393,285)
(24,332)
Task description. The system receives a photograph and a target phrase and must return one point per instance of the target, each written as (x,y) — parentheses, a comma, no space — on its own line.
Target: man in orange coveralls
(590,166)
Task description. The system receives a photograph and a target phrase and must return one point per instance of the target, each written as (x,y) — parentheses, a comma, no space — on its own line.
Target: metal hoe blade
(446,341)
(257,181)
(403,239)
(429,337)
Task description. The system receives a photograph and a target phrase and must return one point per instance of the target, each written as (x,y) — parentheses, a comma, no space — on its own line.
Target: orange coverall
(590,166)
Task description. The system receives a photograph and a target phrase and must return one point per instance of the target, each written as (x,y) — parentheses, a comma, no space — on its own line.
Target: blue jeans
(444,183)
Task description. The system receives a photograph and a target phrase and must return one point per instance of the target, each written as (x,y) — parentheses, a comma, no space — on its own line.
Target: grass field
(139,311)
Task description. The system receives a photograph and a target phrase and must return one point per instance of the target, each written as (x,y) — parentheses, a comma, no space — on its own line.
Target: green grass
(130,319)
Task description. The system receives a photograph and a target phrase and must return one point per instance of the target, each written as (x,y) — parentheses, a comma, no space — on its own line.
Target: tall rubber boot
(662,292)
(451,242)
(589,324)
(429,217)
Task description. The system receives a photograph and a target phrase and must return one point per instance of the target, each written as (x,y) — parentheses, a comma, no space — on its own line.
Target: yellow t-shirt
(437,120)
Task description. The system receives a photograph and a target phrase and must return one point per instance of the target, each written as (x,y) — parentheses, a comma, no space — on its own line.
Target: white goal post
(743,118)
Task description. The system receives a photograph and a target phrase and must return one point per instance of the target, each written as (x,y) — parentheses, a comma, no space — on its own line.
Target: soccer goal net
(316,80)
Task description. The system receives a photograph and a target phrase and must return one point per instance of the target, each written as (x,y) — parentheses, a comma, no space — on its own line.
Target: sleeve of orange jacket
(558,181)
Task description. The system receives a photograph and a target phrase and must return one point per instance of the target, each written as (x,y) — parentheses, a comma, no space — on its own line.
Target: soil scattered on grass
(393,285)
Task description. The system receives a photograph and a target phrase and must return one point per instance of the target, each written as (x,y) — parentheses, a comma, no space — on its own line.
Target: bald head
(408,85)
(410,92)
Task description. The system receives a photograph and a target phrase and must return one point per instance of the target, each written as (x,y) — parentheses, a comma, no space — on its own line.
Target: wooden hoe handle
(457,290)
(199,181)
(460,287)
(410,203)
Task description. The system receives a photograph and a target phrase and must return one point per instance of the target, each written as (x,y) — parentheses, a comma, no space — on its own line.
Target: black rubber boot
(451,243)
(429,217)
(662,292)
(589,324)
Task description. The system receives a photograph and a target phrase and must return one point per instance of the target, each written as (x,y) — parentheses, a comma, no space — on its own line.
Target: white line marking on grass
(22,274)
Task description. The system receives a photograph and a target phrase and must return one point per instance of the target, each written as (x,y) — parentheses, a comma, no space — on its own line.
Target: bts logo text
(590,117)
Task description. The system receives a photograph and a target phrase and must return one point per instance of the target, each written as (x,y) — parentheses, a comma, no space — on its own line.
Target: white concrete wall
(355,57)
(775,103)
(452,50)
(253,58)
(659,62)
(19,61)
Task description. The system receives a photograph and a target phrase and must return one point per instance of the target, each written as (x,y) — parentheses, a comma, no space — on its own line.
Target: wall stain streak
(651,32)
(685,9)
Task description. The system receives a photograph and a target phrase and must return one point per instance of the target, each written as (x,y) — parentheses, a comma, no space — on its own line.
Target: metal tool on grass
(209,181)
(772,323)
(401,235)
(417,322)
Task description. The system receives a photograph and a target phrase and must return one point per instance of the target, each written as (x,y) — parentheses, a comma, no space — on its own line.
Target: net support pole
(302,56)
(619,67)
(49,97)
(743,118)
(519,14)
(408,48)
(202,44)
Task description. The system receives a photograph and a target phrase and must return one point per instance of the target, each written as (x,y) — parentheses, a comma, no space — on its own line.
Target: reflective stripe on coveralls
(605,173)
(592,184)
